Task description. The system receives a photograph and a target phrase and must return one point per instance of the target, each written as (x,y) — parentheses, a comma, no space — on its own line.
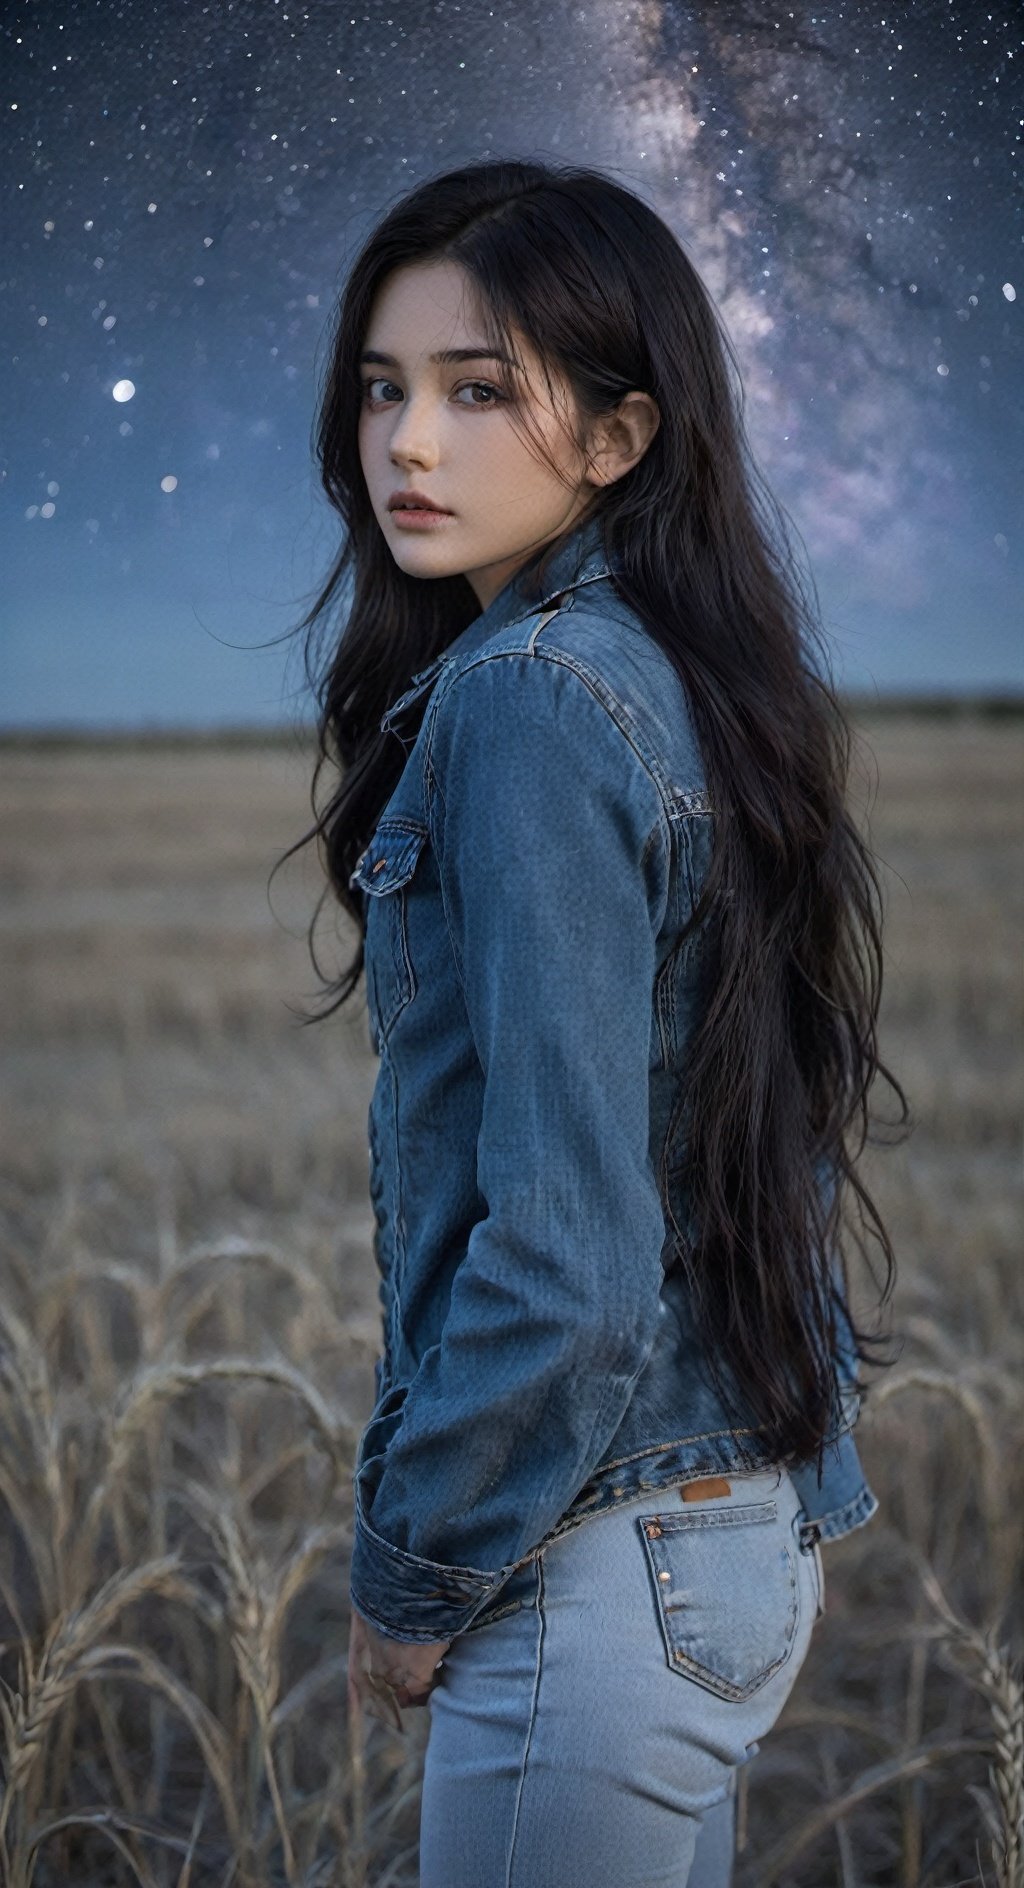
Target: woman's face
(442,429)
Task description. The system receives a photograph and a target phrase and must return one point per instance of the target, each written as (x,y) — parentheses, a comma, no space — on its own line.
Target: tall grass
(188,1319)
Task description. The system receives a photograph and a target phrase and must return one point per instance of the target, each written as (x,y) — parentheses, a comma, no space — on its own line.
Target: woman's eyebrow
(372,357)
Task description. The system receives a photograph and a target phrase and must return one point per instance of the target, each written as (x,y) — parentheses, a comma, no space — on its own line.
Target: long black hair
(778,1076)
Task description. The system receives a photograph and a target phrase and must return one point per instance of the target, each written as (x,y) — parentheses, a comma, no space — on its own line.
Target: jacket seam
(613,708)
(478,1575)
(500,1612)
(533,1719)
(836,1522)
(659,1448)
(391,1631)
(706,1435)
(545,608)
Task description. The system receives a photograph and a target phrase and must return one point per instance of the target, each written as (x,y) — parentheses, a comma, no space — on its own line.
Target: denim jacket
(531,1005)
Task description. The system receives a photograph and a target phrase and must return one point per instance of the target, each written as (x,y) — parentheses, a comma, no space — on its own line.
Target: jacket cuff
(839,1521)
(407,1597)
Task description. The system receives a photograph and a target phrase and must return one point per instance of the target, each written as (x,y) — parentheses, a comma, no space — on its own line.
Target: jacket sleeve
(553,847)
(845,1501)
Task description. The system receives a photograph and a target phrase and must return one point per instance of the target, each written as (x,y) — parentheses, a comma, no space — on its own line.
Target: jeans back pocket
(725,1581)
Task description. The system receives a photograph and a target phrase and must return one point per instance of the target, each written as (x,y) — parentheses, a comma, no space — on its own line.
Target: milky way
(183,185)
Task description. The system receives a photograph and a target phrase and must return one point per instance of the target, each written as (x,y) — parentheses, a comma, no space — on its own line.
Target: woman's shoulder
(613,649)
(548,673)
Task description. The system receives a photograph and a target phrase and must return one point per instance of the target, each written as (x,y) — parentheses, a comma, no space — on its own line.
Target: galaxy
(183,186)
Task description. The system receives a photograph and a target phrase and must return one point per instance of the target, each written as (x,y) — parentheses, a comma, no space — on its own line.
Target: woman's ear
(620,439)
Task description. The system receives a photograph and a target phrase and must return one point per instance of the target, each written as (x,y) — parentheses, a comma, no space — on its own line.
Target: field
(188,1324)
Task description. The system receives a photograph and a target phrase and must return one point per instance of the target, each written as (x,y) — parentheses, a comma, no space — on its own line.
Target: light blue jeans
(592,1739)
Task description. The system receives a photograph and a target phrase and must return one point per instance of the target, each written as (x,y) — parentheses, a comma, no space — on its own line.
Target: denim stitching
(533,1718)
(614,709)
(395,915)
(708,1435)
(535,632)
(704,1674)
(435,670)
(500,1612)
(854,1514)
(476,1574)
(398,1269)
(751,1513)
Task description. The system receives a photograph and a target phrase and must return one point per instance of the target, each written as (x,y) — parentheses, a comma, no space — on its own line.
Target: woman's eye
(470,386)
(368,385)
(481,386)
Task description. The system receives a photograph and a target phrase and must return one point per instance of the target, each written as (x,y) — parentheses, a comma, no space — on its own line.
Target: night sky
(183,184)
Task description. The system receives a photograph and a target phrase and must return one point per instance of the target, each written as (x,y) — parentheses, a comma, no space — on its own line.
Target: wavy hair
(779,1073)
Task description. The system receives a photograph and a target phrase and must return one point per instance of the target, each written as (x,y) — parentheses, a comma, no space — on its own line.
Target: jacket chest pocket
(383,871)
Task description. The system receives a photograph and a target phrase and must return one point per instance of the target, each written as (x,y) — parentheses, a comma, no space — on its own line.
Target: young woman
(623,959)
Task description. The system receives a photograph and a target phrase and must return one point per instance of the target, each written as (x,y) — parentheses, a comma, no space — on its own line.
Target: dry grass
(188,1320)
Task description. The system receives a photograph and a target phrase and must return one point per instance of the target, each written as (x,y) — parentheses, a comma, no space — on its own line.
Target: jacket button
(379,867)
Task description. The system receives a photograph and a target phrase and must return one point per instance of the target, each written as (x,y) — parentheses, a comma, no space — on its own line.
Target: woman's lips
(419,519)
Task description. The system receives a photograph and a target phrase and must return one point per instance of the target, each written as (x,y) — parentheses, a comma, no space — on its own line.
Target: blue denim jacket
(523,893)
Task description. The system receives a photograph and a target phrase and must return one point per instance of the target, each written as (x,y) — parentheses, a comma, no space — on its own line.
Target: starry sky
(183,184)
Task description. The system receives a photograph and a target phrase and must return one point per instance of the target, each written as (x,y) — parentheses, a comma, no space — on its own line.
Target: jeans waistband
(743,1484)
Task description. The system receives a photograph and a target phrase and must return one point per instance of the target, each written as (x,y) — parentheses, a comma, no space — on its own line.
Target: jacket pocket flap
(389,859)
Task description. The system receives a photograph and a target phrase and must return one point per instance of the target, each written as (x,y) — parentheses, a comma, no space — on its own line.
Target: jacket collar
(580,558)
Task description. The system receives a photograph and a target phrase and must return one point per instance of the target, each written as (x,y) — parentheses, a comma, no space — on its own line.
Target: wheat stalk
(258,1599)
(160,1384)
(1000,1683)
(29,1713)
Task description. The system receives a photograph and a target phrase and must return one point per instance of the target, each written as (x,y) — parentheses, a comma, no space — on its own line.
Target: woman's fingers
(366,1690)
(382,1703)
(385,1674)
(408,1666)
(361,1694)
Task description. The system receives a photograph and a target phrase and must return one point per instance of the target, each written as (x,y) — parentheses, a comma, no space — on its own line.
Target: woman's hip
(594,1728)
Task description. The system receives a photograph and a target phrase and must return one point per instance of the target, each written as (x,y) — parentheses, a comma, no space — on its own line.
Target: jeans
(592,1738)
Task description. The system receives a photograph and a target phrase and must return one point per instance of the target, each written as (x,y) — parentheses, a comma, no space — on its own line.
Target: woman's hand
(384,1673)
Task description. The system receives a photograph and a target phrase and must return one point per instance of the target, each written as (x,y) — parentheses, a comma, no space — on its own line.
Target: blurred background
(188,1312)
